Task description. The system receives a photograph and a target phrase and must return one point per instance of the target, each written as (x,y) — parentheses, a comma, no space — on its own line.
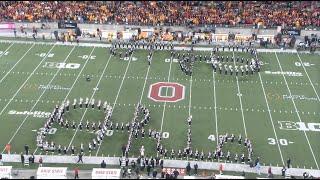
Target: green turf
(123,83)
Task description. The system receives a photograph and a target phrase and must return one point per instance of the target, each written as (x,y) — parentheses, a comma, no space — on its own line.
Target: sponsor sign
(299,97)
(53,87)
(37,114)
(5,172)
(52,173)
(101,173)
(7,26)
(288,73)
(67,25)
(170,171)
(294,32)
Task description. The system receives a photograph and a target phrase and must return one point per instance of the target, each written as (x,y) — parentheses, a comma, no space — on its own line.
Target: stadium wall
(235,30)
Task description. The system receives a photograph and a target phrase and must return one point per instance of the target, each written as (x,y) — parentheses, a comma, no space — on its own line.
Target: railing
(186,24)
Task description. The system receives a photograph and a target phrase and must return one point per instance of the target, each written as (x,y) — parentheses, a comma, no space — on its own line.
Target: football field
(278,109)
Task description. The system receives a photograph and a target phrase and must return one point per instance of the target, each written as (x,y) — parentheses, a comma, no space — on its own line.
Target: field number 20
(282,142)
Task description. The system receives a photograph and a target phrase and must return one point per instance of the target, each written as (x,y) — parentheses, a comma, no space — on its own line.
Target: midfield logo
(300,126)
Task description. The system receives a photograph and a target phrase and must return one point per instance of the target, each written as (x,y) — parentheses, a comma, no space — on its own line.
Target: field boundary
(167,163)
(178,48)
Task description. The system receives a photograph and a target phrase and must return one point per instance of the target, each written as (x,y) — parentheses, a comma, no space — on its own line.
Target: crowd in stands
(233,13)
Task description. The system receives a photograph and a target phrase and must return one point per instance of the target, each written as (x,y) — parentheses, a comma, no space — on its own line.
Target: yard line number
(282,142)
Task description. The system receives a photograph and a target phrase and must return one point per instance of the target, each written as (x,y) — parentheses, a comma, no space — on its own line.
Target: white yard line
(296,109)
(35,69)
(144,84)
(38,100)
(190,95)
(75,81)
(215,104)
(308,76)
(239,95)
(6,49)
(16,63)
(145,81)
(271,119)
(165,103)
(115,101)
(94,92)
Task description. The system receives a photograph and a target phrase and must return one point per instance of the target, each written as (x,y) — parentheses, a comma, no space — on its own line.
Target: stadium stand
(233,13)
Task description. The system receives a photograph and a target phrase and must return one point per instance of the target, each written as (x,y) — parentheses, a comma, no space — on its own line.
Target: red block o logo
(177,92)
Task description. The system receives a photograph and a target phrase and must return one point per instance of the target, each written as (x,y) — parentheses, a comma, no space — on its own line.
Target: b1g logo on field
(166,92)
(300,126)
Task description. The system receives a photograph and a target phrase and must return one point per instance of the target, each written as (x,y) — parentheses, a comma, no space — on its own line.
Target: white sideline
(294,104)
(26,80)
(115,101)
(35,104)
(179,48)
(239,94)
(308,76)
(48,159)
(74,82)
(94,92)
(16,64)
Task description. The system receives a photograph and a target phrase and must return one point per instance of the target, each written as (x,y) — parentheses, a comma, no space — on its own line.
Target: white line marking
(16,63)
(190,95)
(215,104)
(38,99)
(308,76)
(94,92)
(294,104)
(271,119)
(115,101)
(164,106)
(26,80)
(244,122)
(6,50)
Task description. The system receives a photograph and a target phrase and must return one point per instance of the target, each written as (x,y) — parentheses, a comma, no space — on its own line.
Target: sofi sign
(300,126)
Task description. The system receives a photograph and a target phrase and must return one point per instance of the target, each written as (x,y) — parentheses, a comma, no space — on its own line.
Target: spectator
(22,158)
(176,173)
(103,164)
(188,169)
(40,162)
(26,149)
(76,173)
(243,174)
(154,173)
(270,175)
(195,166)
(288,163)
(80,158)
(148,169)
(231,13)
(283,171)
